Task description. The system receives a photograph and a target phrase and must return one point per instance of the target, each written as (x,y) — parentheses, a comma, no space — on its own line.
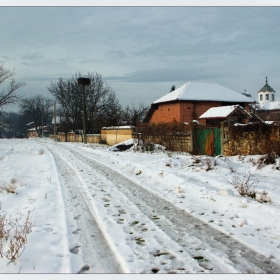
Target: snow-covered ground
(96,210)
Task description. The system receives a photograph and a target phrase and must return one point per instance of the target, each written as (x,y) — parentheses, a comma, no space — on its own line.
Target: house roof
(204,92)
(222,112)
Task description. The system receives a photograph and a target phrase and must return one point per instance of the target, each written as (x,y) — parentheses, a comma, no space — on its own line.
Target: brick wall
(190,111)
(182,111)
(115,135)
(179,143)
(72,137)
(166,113)
(257,140)
(250,142)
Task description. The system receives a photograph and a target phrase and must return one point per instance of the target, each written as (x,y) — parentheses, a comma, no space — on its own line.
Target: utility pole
(84,82)
(42,123)
(54,113)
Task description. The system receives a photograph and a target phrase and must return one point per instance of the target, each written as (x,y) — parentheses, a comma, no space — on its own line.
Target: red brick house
(191,100)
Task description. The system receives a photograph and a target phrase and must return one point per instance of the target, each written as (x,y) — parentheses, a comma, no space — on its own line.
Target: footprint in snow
(77,231)
(75,250)
(77,217)
(120,221)
(84,268)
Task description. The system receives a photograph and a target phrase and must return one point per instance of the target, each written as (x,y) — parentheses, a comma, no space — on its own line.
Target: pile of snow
(123,146)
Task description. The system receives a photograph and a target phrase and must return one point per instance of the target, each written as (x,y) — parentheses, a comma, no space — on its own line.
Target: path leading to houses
(132,224)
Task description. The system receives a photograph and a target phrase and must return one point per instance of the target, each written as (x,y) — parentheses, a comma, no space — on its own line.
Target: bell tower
(266,93)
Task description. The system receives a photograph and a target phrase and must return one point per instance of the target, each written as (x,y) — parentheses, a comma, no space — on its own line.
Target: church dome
(266,87)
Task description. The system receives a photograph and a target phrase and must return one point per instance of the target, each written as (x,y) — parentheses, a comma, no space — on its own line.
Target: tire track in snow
(164,259)
(198,238)
(96,253)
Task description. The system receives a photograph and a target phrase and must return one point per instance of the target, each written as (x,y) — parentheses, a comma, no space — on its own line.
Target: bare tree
(39,108)
(8,95)
(134,114)
(101,101)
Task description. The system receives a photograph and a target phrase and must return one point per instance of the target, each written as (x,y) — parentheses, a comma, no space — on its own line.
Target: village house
(228,114)
(188,102)
(32,132)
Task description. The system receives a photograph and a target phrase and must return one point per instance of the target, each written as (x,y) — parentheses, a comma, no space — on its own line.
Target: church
(267,108)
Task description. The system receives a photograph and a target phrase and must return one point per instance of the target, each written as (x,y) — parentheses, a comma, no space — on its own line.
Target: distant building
(267,108)
(188,102)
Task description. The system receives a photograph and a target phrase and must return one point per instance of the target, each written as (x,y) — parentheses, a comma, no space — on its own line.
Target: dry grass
(13,234)
(10,187)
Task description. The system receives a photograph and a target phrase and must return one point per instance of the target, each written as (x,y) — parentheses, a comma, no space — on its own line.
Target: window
(267,96)
(272,97)
(261,97)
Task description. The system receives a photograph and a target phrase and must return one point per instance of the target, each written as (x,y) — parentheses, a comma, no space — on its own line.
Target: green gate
(208,141)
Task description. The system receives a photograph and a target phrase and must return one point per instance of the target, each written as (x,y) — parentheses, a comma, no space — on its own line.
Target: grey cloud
(116,54)
(164,75)
(32,56)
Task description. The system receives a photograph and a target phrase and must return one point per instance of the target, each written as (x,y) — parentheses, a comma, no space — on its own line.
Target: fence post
(222,137)
(191,139)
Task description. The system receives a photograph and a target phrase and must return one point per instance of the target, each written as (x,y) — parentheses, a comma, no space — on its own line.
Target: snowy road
(103,202)
(98,211)
(97,255)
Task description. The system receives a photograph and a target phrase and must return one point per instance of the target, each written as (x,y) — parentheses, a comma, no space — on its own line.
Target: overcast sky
(142,51)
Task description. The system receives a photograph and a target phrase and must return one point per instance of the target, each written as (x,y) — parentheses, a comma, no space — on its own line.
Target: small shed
(230,114)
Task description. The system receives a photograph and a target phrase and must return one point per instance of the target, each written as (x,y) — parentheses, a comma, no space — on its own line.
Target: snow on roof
(270,105)
(204,92)
(38,128)
(118,127)
(221,112)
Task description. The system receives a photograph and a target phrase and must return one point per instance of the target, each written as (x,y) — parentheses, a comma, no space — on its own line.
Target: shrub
(13,234)
(267,159)
(245,185)
(11,186)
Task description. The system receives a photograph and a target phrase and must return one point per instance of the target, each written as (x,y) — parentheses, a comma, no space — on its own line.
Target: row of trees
(102,105)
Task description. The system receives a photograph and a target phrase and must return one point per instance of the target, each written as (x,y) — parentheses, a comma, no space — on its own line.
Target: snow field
(137,242)
(39,193)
